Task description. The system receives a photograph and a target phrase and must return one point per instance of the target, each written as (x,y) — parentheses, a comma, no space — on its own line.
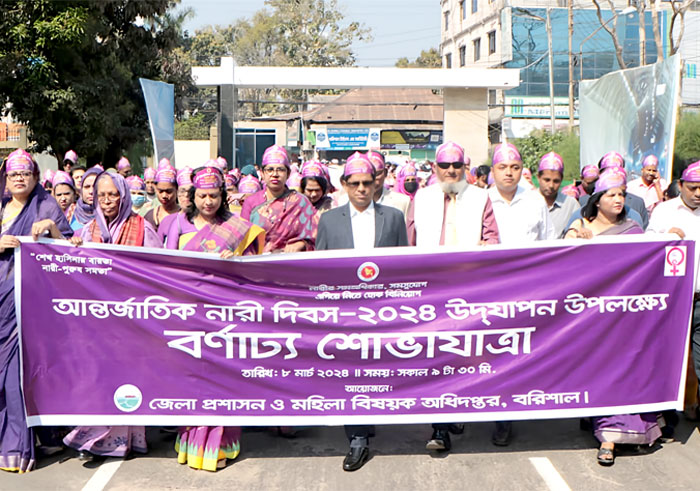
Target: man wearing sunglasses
(451,212)
(360,224)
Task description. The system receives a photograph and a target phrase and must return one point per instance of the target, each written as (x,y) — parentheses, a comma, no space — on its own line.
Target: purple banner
(116,335)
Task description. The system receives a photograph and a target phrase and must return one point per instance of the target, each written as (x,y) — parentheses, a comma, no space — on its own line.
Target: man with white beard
(450,212)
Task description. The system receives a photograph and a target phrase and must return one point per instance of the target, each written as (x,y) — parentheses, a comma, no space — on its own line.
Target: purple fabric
(112,231)
(16,440)
(345,339)
(84,212)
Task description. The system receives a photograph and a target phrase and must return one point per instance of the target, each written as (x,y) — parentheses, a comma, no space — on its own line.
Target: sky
(399,27)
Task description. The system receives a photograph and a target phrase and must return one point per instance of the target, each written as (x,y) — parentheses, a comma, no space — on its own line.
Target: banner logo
(675,261)
(127,398)
(368,271)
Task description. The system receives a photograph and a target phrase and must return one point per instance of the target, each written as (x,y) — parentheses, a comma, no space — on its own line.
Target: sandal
(606,456)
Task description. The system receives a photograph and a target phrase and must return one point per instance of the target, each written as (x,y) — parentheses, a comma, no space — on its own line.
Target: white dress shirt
(675,214)
(524,219)
(362,226)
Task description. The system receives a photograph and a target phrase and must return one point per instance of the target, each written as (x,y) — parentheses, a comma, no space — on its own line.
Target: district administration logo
(128,398)
(368,271)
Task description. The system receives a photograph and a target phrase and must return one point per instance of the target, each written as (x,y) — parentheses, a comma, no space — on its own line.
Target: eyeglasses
(446,165)
(13,176)
(275,170)
(108,198)
(356,184)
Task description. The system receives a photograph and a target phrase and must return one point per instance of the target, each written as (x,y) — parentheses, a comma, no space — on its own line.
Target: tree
(286,33)
(70,70)
(427,59)
(540,142)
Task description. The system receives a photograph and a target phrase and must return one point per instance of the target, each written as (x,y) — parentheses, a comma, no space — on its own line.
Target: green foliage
(193,128)
(427,59)
(540,142)
(70,70)
(687,144)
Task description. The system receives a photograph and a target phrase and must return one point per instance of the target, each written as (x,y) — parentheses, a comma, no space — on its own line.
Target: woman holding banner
(286,215)
(209,227)
(114,223)
(604,214)
(27,210)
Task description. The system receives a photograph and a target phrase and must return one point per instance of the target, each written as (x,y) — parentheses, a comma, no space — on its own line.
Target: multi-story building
(512,34)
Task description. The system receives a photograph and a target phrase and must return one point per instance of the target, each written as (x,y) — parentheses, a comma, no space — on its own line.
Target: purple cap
(377,160)
(312,168)
(590,171)
(358,163)
(208,178)
(449,152)
(135,183)
(20,160)
(611,159)
(613,177)
(123,164)
(184,176)
(505,152)
(149,174)
(166,174)
(650,161)
(276,154)
(692,172)
(71,156)
(223,164)
(164,163)
(61,177)
(407,170)
(551,161)
(230,180)
(249,184)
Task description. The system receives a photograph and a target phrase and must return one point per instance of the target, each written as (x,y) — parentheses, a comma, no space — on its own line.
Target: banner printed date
(425,313)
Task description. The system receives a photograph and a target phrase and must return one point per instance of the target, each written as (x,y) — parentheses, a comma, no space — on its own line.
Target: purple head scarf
(551,161)
(611,159)
(691,173)
(108,232)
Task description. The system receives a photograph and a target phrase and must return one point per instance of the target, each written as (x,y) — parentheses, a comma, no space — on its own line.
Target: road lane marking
(551,477)
(102,475)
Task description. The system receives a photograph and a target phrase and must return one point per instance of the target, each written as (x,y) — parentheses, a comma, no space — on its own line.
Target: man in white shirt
(521,214)
(650,187)
(383,195)
(681,216)
(550,173)
(360,224)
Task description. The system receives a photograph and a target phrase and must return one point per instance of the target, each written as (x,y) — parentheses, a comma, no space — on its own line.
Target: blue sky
(400,28)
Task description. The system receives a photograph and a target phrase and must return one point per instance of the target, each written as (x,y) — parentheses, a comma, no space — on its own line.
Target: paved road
(564,455)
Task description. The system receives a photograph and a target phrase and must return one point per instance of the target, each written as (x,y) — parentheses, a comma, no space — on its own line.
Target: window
(447,20)
(448,60)
(492,42)
(462,55)
(475,6)
(463,9)
(477,49)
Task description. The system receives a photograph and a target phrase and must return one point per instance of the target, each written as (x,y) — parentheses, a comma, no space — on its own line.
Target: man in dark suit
(360,224)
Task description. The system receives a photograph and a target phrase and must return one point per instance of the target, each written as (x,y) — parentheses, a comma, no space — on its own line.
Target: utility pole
(571,65)
(551,71)
(642,33)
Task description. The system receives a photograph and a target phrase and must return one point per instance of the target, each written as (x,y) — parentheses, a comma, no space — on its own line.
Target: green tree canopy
(70,70)
(427,59)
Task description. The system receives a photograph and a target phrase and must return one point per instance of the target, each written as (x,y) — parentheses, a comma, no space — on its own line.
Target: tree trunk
(657,31)
(612,32)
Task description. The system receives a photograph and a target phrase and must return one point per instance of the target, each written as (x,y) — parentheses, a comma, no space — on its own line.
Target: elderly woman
(64,192)
(208,226)
(604,214)
(84,209)
(27,209)
(286,215)
(114,223)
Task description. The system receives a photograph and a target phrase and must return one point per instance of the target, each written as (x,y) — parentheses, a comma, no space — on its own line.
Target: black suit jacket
(335,228)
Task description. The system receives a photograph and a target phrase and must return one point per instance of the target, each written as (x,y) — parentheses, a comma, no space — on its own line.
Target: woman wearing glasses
(284,214)
(114,223)
(27,210)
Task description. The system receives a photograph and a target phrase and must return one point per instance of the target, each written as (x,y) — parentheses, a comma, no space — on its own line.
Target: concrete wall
(466,118)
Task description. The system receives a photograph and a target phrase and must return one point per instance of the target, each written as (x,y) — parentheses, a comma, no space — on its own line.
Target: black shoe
(502,434)
(440,441)
(356,458)
(456,428)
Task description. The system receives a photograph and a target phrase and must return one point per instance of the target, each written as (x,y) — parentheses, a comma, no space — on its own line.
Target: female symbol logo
(675,257)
